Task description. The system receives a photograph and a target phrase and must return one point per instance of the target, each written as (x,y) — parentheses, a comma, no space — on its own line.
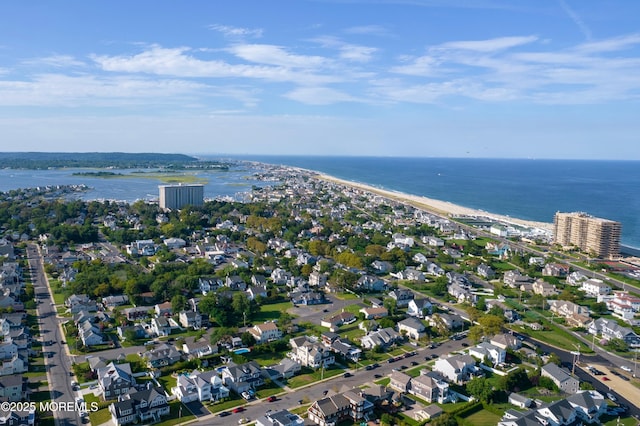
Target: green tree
(178,303)
(481,388)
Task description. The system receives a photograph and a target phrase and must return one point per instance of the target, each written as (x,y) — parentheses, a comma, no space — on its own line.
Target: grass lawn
(233,401)
(40,396)
(271,311)
(168,382)
(265,359)
(100,416)
(346,296)
(89,398)
(305,379)
(176,415)
(269,390)
(483,418)
(556,337)
(383,382)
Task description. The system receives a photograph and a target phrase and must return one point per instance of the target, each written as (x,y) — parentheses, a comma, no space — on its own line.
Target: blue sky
(441,78)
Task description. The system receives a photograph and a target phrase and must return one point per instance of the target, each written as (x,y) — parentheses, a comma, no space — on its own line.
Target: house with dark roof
(349,405)
(115,380)
(162,356)
(242,377)
(13,388)
(148,405)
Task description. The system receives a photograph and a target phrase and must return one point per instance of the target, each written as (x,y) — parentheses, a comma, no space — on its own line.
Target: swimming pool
(242,351)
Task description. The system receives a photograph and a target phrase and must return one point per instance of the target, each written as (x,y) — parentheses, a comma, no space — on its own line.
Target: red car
(272,398)
(238,409)
(605,378)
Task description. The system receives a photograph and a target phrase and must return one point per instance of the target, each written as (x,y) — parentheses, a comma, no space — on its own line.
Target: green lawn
(168,382)
(305,379)
(268,390)
(483,418)
(271,312)
(178,414)
(232,402)
(100,416)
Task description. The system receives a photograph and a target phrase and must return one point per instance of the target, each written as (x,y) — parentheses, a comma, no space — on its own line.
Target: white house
(265,332)
(457,368)
(412,327)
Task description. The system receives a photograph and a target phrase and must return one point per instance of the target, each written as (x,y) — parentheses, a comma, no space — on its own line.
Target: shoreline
(443,208)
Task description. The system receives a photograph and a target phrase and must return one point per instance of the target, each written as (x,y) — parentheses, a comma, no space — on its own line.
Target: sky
(429,78)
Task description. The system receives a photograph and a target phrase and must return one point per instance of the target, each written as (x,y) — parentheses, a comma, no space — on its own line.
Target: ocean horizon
(528,189)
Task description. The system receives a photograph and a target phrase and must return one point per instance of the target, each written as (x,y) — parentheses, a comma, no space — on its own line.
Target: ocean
(526,189)
(521,188)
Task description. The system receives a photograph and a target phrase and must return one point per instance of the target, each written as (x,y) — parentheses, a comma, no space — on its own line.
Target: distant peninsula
(104,160)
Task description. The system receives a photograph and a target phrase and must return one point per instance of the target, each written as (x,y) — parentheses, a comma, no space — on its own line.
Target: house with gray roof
(560,377)
(115,380)
(146,406)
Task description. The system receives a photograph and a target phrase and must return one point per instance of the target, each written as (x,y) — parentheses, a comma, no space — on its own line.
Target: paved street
(57,360)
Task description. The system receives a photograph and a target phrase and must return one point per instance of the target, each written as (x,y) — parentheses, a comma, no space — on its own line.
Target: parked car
(347,374)
(612,397)
(272,398)
(605,378)
(225,414)
(627,369)
(238,409)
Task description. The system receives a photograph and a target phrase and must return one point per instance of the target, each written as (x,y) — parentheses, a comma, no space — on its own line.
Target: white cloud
(377,30)
(347,51)
(237,32)
(490,45)
(277,55)
(318,96)
(57,61)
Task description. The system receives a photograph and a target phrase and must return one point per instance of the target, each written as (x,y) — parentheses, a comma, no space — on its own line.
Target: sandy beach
(443,208)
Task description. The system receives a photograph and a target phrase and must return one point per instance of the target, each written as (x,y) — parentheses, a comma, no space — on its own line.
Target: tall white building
(178,196)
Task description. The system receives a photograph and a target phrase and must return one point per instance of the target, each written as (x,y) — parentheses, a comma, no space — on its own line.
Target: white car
(627,369)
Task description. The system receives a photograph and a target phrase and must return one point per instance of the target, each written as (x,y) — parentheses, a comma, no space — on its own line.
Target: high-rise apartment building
(593,235)
(178,196)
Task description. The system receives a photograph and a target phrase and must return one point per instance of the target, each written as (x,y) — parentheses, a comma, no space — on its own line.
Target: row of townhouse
(143,406)
(349,405)
(609,329)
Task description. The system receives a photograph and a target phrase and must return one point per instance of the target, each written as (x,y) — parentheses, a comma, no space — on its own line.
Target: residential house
(24,417)
(137,313)
(381,266)
(332,322)
(560,377)
(371,283)
(14,364)
(515,279)
(432,241)
(451,321)
(457,368)
(13,388)
(349,405)
(162,356)
(485,271)
(190,319)
(594,287)
(419,308)
(412,328)
(163,309)
(346,349)
(200,386)
(242,377)
(518,400)
(610,329)
(485,351)
(309,353)
(111,302)
(430,388)
(555,270)
(307,298)
(544,288)
(235,283)
(254,291)
(280,418)
(142,248)
(265,332)
(115,380)
(90,335)
(80,302)
(145,406)
(384,337)
(400,381)
(160,326)
(209,284)
(434,269)
(317,279)
(287,368)
(174,243)
(199,349)
(576,278)
(506,341)
(410,274)
(402,297)
(374,313)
